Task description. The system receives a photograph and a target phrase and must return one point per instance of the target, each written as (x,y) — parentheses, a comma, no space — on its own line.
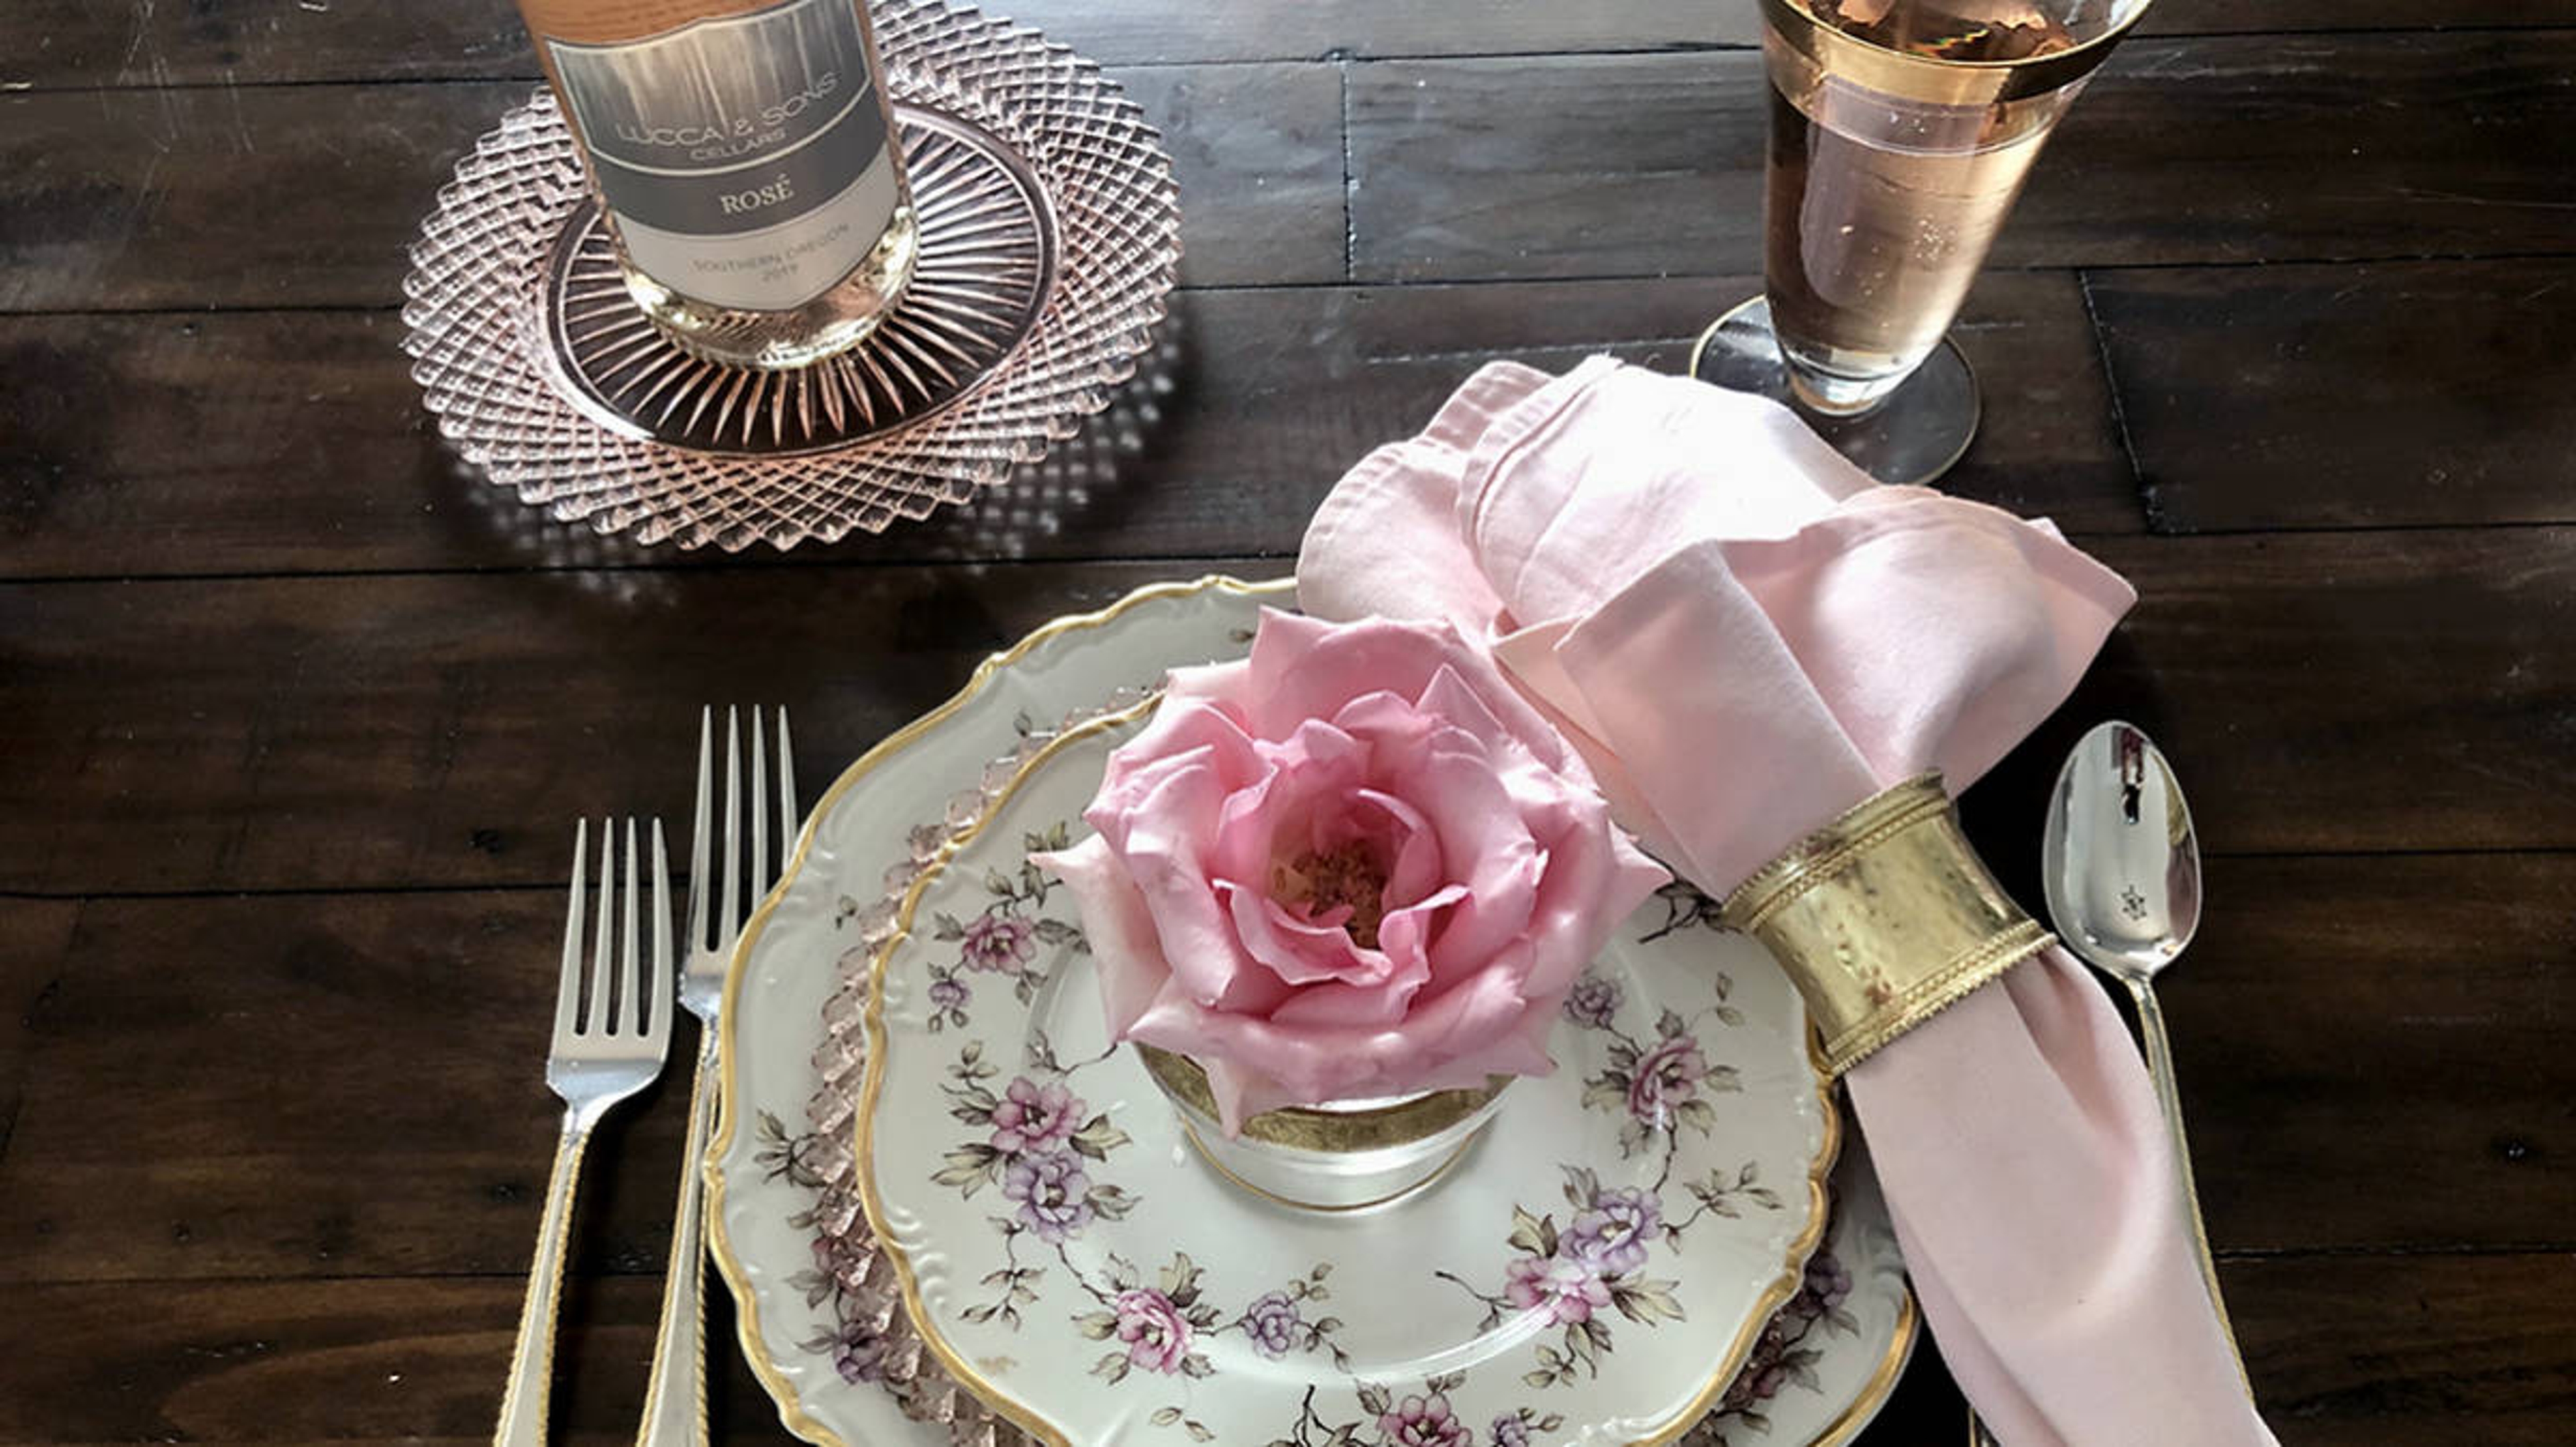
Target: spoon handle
(2160,1068)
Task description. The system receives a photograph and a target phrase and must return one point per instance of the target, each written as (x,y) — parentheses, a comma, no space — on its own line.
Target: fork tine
(641,1007)
(788,819)
(568,991)
(702,836)
(732,920)
(759,804)
(663,988)
(603,958)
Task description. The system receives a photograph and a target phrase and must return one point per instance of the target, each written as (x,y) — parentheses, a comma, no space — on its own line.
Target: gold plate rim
(792,1413)
(1882,1381)
(1928,78)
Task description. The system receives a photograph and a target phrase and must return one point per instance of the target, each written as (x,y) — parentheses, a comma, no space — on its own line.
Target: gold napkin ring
(1883,919)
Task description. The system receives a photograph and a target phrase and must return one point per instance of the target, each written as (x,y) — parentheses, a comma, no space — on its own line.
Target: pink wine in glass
(1881,204)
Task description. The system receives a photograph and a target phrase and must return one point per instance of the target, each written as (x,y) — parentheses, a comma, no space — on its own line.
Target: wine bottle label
(745,158)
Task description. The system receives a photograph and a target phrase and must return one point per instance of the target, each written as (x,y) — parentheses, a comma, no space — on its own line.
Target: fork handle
(523,1405)
(675,1399)
(2160,1068)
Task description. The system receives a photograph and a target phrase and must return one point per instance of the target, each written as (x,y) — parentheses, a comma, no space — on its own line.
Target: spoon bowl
(2122,865)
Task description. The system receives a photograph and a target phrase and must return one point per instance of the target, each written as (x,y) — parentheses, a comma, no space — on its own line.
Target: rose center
(1346,876)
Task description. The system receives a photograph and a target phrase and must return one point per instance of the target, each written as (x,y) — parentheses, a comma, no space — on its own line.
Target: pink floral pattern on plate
(1049,1177)
(1004,939)
(792,1184)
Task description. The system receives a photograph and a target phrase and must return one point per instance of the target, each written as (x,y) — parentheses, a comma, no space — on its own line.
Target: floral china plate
(820,1304)
(1595,1267)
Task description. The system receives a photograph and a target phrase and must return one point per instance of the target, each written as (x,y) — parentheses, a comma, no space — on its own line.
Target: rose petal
(1275,815)
(1174,737)
(1416,871)
(1161,853)
(1249,1069)
(1345,1007)
(1479,823)
(1449,698)
(1594,879)
(1405,935)
(1503,873)
(1309,664)
(1299,952)
(1239,1094)
(1124,945)
(1368,1003)
(1396,732)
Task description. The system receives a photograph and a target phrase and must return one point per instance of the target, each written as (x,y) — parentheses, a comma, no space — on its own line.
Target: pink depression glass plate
(1049,239)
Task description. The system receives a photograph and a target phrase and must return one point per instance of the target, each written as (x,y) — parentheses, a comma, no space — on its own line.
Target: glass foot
(1913,436)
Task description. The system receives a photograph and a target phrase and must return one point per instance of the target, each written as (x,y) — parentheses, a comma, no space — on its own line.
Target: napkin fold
(1745,636)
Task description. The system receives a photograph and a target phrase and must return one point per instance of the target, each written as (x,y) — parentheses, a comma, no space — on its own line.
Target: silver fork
(675,1401)
(609,1043)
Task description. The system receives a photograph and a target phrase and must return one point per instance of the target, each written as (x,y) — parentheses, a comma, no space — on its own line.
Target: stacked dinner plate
(915,1264)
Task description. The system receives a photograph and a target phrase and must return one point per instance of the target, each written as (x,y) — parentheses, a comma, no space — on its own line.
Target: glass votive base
(1347,1155)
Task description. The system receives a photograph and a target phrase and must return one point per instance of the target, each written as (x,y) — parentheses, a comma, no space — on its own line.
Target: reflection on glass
(1901,132)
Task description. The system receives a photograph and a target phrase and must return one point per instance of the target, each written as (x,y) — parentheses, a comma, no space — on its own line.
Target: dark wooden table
(295,713)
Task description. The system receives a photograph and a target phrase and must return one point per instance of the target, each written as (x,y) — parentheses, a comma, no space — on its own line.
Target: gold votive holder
(1346,1155)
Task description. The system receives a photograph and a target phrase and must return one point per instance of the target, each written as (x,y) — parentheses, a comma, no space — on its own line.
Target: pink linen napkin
(1745,637)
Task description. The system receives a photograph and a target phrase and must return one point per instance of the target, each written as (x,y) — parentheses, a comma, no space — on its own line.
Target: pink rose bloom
(1034,1118)
(1668,1074)
(1569,1290)
(998,942)
(1355,863)
(1157,1335)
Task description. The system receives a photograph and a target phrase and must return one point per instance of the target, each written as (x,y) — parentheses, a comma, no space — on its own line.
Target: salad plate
(1593,1269)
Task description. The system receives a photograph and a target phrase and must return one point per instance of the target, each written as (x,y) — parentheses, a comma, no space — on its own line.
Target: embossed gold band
(1883,919)
(1931,80)
(1309,1128)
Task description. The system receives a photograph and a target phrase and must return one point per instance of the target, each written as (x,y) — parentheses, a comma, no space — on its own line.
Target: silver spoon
(2122,869)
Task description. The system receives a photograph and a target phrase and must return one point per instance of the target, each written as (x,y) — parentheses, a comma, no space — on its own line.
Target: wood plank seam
(1328,56)
(2119,413)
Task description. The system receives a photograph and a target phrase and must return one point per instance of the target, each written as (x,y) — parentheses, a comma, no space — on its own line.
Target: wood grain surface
(1260,398)
(2398,144)
(68,43)
(296,711)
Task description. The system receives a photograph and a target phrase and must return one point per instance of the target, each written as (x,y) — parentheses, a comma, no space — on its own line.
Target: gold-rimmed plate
(819,1306)
(1594,1269)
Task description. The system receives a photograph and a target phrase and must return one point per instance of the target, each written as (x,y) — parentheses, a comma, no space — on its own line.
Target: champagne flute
(1901,132)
